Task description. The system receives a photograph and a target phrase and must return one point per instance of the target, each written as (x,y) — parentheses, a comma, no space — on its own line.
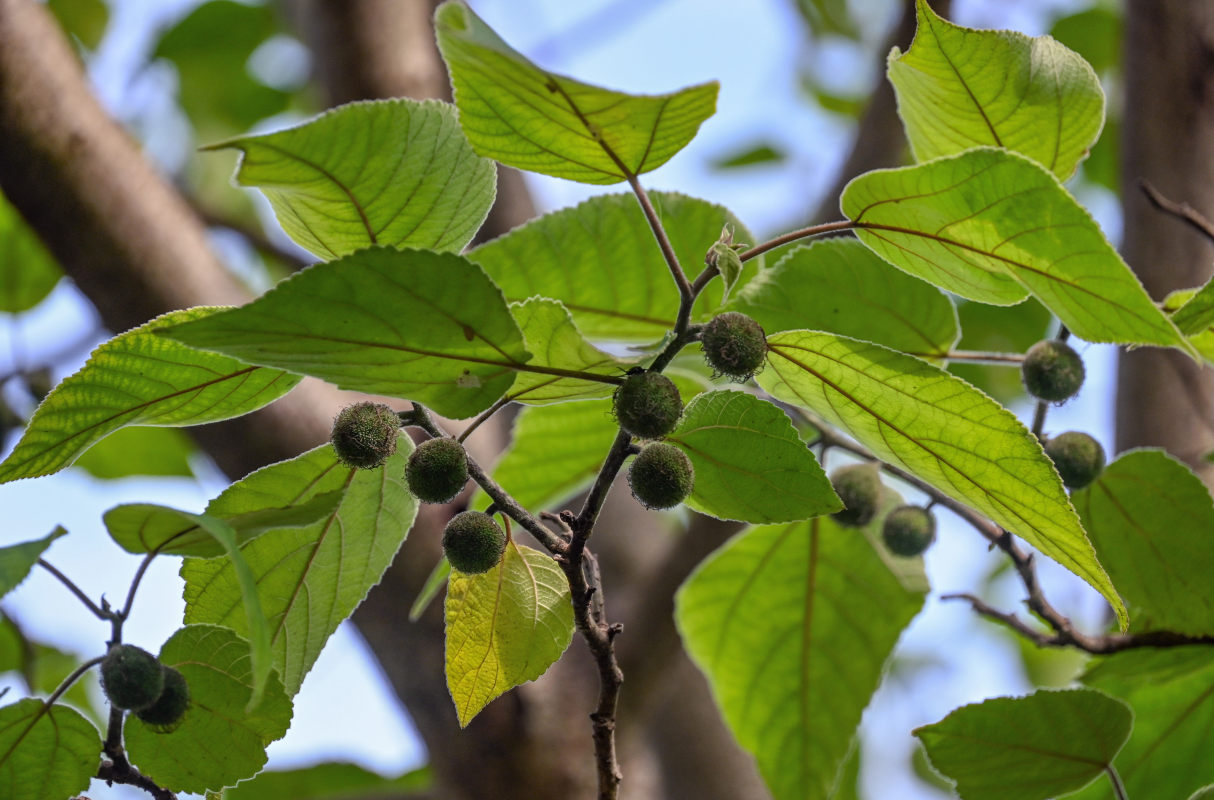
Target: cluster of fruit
(1053,373)
(135,680)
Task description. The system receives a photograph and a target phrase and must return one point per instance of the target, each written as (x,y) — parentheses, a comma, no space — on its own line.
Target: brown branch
(1182,211)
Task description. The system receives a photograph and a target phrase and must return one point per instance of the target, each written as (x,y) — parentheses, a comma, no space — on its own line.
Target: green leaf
(1028,748)
(924,420)
(526,117)
(1144,514)
(218,741)
(46,751)
(17,560)
(329,781)
(828,16)
(504,627)
(792,625)
(750,464)
(750,155)
(27,271)
(139,451)
(435,582)
(1094,33)
(86,20)
(959,88)
(1197,312)
(425,326)
(993,226)
(210,49)
(599,258)
(552,337)
(555,453)
(1168,754)
(839,285)
(309,579)
(139,378)
(392,172)
(147,527)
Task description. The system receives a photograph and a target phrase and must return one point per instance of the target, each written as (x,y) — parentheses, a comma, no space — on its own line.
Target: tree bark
(1164,399)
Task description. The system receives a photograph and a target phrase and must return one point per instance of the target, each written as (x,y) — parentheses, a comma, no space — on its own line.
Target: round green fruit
(1078,458)
(1052,371)
(661,476)
(437,470)
(859,487)
(167,712)
(647,405)
(364,434)
(473,542)
(131,676)
(734,345)
(909,530)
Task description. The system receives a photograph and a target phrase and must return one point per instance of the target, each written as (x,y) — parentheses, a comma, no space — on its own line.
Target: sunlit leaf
(27,271)
(529,118)
(993,226)
(924,420)
(1151,520)
(600,259)
(139,451)
(959,88)
(792,625)
(504,627)
(392,172)
(1168,754)
(839,285)
(750,464)
(139,378)
(552,337)
(46,751)
(17,560)
(308,579)
(426,326)
(1028,748)
(218,742)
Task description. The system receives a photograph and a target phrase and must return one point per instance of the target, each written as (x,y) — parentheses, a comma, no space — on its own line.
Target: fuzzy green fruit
(909,530)
(1052,371)
(734,345)
(364,434)
(167,712)
(1078,458)
(473,542)
(661,476)
(647,405)
(859,487)
(437,470)
(131,676)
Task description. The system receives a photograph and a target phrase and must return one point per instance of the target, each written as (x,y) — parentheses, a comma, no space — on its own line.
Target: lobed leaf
(392,172)
(426,326)
(959,88)
(17,560)
(1028,748)
(1168,754)
(28,272)
(45,751)
(839,285)
(924,420)
(600,259)
(555,452)
(526,117)
(750,464)
(308,579)
(1149,517)
(993,226)
(219,741)
(139,378)
(792,625)
(504,627)
(553,339)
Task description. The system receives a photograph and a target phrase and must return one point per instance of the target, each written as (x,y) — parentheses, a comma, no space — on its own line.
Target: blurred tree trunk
(1164,399)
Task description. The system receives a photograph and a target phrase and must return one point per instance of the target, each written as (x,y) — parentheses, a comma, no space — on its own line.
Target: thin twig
(70,679)
(792,236)
(97,612)
(485,416)
(981,357)
(1182,211)
(1115,779)
(130,595)
(253,235)
(659,233)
